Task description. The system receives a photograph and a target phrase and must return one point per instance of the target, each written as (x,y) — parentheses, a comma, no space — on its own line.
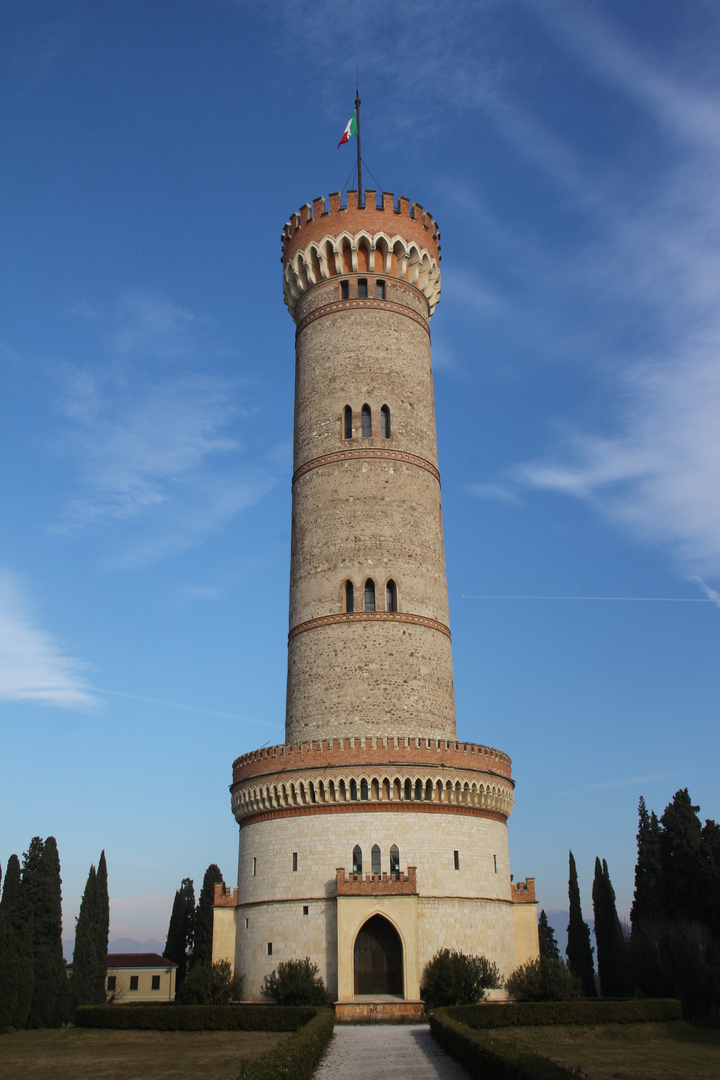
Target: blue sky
(153,151)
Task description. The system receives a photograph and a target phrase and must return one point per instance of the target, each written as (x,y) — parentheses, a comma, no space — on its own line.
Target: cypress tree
(647,901)
(579,951)
(17,976)
(88,977)
(681,857)
(202,951)
(181,930)
(42,894)
(546,937)
(611,950)
(103,924)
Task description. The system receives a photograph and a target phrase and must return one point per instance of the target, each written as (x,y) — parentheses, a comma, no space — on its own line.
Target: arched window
(366,422)
(357,859)
(391,596)
(353,790)
(375,859)
(349,596)
(394,860)
(364,792)
(347,423)
(408,789)
(369,595)
(385,422)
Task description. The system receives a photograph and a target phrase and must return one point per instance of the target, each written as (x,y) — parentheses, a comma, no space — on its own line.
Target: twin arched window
(366,422)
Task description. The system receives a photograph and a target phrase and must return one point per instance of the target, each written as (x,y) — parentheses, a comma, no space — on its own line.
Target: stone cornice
(344,305)
(365,453)
(368,616)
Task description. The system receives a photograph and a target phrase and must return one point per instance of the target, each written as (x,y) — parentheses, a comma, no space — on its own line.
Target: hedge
(196,1017)
(532,1013)
(297,1057)
(488,1060)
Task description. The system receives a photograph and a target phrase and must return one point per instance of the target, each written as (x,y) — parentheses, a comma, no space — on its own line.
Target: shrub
(209,984)
(543,979)
(296,1058)
(529,1013)
(193,1017)
(491,1060)
(452,978)
(296,982)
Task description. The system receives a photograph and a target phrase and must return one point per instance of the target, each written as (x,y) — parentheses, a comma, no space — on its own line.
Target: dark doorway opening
(378,958)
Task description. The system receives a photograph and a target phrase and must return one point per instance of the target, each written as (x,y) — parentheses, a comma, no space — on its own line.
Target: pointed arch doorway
(378,958)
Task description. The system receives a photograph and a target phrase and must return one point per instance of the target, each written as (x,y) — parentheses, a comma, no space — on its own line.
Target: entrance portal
(378,958)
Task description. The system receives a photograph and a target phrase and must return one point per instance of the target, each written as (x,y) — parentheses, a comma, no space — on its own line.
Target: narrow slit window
(255,866)
(349,596)
(385,422)
(391,596)
(344,290)
(380,290)
(294,861)
(347,423)
(269,952)
(369,595)
(357,859)
(306,909)
(456,857)
(362,288)
(247,924)
(394,860)
(495,862)
(366,422)
(364,791)
(375,859)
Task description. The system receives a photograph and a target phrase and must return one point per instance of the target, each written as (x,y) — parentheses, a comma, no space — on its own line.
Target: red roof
(138,959)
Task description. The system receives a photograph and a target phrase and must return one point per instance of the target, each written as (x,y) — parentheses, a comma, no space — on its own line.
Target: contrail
(649,599)
(186,708)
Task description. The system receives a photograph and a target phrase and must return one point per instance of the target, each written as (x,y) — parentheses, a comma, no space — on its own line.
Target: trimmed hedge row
(488,1060)
(297,1057)
(195,1017)
(532,1013)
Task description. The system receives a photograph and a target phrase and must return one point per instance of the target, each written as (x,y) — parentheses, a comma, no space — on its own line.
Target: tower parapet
(399,240)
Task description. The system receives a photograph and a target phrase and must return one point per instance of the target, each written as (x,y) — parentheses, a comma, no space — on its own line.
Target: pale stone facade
(371,768)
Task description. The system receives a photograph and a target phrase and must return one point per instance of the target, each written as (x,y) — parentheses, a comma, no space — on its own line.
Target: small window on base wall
(385,422)
(349,596)
(366,422)
(347,423)
(369,595)
(391,596)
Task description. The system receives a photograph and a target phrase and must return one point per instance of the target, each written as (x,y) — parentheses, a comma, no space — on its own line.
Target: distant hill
(121,944)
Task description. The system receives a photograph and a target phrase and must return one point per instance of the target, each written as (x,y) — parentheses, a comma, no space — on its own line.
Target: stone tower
(371,838)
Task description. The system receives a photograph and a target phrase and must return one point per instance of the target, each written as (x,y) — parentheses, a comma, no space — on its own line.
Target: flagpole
(361,193)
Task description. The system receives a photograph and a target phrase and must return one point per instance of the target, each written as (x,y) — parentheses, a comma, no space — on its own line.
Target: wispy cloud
(34,667)
(712,594)
(152,430)
(628,781)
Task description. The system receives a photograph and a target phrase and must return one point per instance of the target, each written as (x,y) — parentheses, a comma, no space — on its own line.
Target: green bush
(452,978)
(544,979)
(193,1017)
(295,1058)
(490,1060)
(296,982)
(529,1013)
(209,984)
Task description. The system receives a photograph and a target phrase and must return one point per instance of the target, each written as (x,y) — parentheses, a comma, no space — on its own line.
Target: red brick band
(369,452)
(344,305)
(369,616)
(383,807)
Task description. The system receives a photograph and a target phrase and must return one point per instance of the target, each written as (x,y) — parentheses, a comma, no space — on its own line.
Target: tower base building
(372,838)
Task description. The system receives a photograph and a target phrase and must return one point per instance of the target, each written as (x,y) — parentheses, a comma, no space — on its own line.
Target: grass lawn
(669,1051)
(91,1054)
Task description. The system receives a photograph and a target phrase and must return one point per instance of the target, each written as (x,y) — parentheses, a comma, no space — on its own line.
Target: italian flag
(351,129)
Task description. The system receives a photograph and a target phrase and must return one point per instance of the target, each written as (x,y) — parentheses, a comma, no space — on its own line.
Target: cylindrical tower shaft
(369,643)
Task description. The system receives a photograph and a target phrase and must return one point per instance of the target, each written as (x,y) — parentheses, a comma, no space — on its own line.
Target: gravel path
(379,1051)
